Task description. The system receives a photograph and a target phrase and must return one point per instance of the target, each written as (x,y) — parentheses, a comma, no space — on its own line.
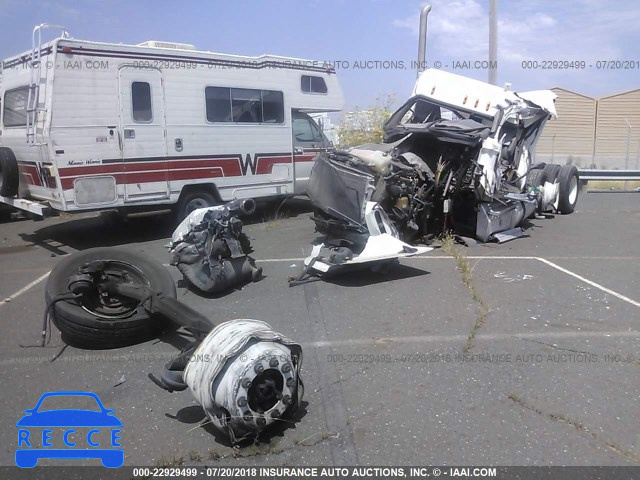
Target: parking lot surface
(537,364)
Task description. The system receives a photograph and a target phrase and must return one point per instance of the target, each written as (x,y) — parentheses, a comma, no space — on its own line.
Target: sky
(372,42)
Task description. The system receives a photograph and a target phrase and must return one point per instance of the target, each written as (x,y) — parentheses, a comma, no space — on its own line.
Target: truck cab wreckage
(457,156)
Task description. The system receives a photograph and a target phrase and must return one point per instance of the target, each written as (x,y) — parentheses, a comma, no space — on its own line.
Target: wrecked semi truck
(457,156)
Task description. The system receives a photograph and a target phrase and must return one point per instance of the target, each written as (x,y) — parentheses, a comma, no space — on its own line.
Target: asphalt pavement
(537,364)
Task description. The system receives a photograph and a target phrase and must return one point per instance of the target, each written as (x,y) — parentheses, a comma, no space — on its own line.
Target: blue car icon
(62,445)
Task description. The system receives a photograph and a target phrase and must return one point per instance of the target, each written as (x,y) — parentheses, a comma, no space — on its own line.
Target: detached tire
(9,175)
(120,323)
(569,180)
(194,200)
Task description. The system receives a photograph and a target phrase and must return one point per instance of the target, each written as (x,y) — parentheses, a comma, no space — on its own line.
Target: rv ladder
(35,72)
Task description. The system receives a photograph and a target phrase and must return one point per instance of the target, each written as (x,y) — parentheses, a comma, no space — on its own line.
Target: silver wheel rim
(573,190)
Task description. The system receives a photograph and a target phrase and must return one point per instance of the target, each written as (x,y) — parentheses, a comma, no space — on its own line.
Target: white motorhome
(90,126)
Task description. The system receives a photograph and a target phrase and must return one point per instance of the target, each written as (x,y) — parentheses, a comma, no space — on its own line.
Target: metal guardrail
(593,174)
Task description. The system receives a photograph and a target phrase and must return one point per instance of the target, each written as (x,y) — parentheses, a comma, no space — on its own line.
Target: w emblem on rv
(248,163)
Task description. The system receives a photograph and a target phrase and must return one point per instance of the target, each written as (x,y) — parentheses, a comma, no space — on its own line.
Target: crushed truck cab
(458,156)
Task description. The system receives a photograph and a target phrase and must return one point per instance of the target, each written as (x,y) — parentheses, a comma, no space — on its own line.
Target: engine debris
(210,249)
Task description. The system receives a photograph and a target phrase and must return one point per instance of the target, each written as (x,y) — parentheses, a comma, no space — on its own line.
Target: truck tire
(193,200)
(119,324)
(536,177)
(9,175)
(569,182)
(553,170)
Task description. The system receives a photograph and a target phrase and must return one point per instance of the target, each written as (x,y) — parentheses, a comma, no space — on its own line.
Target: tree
(365,126)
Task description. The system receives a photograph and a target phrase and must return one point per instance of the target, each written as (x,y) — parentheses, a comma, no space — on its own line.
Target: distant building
(618,120)
(593,132)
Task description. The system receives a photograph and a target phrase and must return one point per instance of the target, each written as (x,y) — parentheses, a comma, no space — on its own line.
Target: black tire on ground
(193,200)
(569,183)
(536,177)
(553,170)
(6,215)
(9,175)
(110,327)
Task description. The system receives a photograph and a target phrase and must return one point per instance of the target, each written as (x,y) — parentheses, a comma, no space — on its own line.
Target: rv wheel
(191,201)
(569,181)
(9,176)
(104,321)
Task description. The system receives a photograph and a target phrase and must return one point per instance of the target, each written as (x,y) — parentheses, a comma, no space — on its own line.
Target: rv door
(142,134)
(308,142)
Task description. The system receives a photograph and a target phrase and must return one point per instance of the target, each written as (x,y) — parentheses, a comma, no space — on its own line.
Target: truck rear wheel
(194,200)
(553,170)
(9,175)
(569,182)
(536,178)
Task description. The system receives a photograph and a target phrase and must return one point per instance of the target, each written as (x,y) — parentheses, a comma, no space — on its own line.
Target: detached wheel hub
(246,377)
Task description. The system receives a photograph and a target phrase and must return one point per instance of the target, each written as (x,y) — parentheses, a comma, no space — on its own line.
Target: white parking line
(589,282)
(418,257)
(24,289)
(497,257)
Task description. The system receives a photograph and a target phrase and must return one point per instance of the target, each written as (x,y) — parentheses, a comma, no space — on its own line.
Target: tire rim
(573,190)
(195,204)
(556,202)
(106,306)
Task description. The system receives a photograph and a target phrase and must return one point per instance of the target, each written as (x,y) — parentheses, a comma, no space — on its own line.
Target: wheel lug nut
(246,383)
(286,399)
(261,421)
(290,382)
(258,368)
(275,414)
(286,368)
(242,402)
(247,417)
(273,363)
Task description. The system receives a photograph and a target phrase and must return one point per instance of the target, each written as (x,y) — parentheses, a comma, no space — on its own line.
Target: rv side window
(15,107)
(218,103)
(312,84)
(272,106)
(244,105)
(141,102)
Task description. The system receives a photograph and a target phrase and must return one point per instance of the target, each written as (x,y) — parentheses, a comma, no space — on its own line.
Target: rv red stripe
(265,164)
(230,167)
(30,174)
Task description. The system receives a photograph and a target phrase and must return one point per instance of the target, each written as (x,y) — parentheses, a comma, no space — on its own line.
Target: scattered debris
(210,249)
(357,233)
(245,375)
